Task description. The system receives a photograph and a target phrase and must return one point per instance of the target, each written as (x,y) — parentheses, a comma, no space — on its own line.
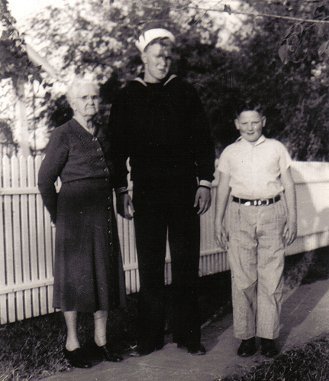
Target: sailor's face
(157,61)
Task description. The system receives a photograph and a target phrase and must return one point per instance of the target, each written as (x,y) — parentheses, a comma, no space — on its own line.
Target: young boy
(255,176)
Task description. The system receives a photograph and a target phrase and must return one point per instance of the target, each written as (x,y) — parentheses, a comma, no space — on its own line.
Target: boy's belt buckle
(258,202)
(262,202)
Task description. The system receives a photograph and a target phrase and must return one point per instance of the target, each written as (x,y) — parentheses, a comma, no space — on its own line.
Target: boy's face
(250,124)
(157,61)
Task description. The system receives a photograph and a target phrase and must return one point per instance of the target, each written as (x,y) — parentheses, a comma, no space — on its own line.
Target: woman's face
(85,101)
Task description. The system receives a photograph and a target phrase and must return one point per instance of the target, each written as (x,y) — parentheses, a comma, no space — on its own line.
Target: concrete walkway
(304,316)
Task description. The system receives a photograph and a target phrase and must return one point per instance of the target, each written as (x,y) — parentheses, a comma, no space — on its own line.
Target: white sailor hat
(151,34)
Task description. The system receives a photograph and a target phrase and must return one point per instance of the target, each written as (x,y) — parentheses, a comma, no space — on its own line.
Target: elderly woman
(88,275)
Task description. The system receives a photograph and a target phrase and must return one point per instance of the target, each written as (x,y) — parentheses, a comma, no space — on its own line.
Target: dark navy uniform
(162,128)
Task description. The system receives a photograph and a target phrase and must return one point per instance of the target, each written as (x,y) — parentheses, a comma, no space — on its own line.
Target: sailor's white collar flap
(140,80)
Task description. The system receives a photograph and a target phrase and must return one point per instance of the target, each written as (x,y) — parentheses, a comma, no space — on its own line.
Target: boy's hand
(221,236)
(290,232)
(202,199)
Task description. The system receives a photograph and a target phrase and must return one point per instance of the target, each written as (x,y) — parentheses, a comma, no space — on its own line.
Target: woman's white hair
(77,82)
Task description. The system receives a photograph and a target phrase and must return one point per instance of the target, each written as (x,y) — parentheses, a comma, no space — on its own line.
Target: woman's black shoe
(77,358)
(247,347)
(107,354)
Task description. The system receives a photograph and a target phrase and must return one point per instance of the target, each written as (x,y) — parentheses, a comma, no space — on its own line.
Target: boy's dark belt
(260,202)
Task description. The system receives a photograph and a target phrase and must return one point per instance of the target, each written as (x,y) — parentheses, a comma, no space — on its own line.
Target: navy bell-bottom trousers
(161,212)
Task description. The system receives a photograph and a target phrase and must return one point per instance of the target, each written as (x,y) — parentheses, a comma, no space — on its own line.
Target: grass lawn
(307,363)
(32,349)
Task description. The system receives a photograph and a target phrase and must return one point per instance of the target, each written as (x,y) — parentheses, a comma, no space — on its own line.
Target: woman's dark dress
(88,273)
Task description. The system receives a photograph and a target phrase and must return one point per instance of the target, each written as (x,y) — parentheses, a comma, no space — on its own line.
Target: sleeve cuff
(121,190)
(205,183)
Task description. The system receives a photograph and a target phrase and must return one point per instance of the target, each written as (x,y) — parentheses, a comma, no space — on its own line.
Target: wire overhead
(227,9)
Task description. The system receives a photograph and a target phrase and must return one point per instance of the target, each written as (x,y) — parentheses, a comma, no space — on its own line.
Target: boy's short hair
(248,104)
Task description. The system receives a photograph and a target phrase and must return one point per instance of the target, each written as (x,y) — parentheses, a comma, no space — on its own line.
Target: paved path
(304,316)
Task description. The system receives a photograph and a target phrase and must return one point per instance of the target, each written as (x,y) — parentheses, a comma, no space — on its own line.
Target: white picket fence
(27,237)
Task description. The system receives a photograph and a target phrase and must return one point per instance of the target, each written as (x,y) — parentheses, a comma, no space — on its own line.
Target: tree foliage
(14,61)
(282,63)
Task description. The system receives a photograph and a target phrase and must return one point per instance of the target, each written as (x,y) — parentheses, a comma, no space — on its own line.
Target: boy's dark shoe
(247,347)
(77,358)
(268,348)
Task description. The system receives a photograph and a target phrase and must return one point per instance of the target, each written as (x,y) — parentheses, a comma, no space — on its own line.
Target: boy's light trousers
(256,255)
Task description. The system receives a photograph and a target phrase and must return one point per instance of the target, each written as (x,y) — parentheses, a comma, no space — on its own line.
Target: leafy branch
(14,60)
(293,49)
